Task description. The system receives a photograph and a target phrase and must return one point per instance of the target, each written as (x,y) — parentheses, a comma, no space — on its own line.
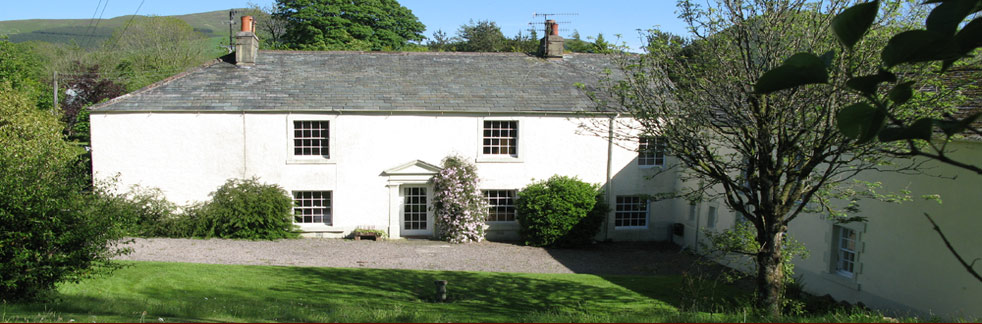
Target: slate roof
(376,81)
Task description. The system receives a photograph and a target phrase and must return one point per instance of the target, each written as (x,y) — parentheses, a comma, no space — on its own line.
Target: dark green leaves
(952,127)
(852,24)
(946,17)
(860,121)
(901,93)
(867,84)
(918,46)
(970,36)
(800,69)
(921,129)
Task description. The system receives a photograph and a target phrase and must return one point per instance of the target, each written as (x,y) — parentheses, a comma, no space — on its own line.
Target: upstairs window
(312,207)
(501,138)
(501,205)
(631,211)
(651,151)
(311,138)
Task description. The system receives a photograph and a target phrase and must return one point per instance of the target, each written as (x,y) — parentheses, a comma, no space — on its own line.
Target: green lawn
(156,291)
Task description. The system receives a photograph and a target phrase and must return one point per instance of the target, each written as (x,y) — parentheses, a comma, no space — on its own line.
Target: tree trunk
(770,272)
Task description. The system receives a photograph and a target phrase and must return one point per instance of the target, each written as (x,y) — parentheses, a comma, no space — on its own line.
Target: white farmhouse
(355,137)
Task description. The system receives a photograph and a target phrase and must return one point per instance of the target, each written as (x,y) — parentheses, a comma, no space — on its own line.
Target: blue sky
(607,17)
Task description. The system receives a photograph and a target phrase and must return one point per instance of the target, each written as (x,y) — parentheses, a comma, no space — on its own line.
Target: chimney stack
(552,44)
(246,43)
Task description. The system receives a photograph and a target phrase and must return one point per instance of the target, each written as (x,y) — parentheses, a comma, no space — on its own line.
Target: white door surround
(414,174)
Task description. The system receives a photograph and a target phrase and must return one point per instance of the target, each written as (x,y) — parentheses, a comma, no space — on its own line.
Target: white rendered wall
(188,155)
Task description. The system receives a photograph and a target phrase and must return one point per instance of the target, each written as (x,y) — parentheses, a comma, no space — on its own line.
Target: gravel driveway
(604,258)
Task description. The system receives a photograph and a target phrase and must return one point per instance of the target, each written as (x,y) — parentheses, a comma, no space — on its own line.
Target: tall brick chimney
(246,43)
(551,46)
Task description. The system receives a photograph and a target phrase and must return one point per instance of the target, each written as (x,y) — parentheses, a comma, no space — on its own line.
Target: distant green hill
(212,24)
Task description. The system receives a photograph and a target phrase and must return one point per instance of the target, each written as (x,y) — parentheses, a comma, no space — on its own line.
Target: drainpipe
(245,157)
(610,171)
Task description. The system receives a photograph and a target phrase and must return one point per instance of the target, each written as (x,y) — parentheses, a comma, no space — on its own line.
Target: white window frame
(647,212)
(501,158)
(712,216)
(654,158)
(514,197)
(330,209)
(839,250)
(312,159)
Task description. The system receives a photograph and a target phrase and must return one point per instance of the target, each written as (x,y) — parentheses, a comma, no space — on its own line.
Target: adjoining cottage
(356,136)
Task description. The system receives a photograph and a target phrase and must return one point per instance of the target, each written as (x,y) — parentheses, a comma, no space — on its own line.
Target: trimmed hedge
(561,211)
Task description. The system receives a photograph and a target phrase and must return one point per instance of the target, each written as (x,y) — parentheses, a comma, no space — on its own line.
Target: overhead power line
(127,26)
(96,27)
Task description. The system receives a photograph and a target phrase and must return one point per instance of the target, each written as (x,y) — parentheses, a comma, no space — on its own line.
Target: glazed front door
(416,217)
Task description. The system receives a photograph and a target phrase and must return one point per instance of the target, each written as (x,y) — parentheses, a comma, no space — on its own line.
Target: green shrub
(52,228)
(140,212)
(244,209)
(561,211)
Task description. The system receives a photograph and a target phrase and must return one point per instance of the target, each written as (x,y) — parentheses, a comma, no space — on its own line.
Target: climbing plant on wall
(458,205)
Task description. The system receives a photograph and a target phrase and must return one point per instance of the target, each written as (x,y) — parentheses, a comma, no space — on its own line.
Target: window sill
(498,159)
(842,280)
(662,166)
(308,227)
(310,161)
(628,228)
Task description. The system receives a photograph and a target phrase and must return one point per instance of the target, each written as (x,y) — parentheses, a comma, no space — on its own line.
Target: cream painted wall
(188,155)
(903,264)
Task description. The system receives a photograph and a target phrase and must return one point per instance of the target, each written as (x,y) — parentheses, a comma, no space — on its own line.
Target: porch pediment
(413,168)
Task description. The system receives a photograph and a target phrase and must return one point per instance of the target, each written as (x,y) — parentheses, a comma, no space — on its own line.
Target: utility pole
(55,91)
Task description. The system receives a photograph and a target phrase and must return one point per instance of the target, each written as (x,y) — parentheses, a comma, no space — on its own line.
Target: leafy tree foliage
(458,205)
(483,36)
(884,97)
(51,230)
(151,49)
(22,69)
(270,28)
(348,24)
(763,154)
(561,211)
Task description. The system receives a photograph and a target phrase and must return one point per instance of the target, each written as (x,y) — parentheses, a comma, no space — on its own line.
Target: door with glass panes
(417,219)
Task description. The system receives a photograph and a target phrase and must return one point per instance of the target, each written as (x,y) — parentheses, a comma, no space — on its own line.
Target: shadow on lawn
(691,278)
(301,294)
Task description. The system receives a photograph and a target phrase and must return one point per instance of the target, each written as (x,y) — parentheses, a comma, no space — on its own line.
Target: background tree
(348,25)
(483,36)
(523,43)
(761,154)
(884,99)
(22,70)
(440,42)
(270,28)
(84,88)
(153,48)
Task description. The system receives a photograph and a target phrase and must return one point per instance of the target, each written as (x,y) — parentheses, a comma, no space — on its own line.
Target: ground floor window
(845,248)
(501,205)
(312,207)
(631,211)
